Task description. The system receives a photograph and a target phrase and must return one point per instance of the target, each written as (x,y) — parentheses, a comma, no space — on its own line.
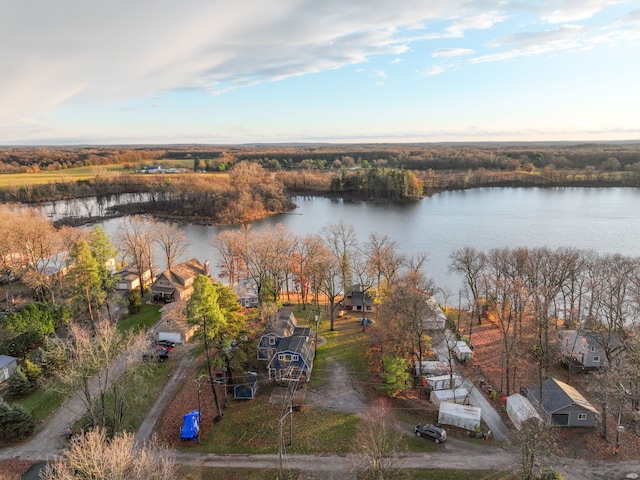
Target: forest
(617,156)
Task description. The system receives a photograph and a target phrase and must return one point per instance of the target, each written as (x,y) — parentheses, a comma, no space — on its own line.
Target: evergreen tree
(15,422)
(19,384)
(85,280)
(203,310)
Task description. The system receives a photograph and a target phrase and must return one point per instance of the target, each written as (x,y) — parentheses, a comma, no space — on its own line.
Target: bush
(19,384)
(135,302)
(32,371)
(15,422)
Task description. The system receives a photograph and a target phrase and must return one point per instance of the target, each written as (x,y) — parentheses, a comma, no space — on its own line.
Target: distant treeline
(421,157)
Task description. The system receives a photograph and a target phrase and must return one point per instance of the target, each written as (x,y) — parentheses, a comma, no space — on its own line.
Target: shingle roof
(557,395)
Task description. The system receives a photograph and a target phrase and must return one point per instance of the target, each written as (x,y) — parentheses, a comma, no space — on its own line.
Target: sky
(311,71)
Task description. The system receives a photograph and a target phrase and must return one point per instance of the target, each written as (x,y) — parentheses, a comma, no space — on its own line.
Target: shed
(8,365)
(462,351)
(458,395)
(444,382)
(247,386)
(520,409)
(464,416)
(432,368)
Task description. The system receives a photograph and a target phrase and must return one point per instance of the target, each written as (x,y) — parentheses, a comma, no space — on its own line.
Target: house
(561,404)
(282,325)
(8,365)
(435,318)
(55,265)
(247,386)
(584,350)
(293,360)
(357,300)
(173,325)
(128,278)
(176,283)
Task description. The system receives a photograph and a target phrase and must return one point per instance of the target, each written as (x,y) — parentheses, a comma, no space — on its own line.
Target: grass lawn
(143,320)
(41,402)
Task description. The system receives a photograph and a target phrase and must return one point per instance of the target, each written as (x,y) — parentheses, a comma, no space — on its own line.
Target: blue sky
(223,72)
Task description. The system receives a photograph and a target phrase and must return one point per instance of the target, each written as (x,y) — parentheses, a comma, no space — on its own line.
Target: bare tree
(471,264)
(134,237)
(384,260)
(97,456)
(535,439)
(406,311)
(97,361)
(228,244)
(172,241)
(379,447)
(340,239)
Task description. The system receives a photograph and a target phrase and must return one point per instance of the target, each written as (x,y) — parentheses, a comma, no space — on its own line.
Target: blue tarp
(190,425)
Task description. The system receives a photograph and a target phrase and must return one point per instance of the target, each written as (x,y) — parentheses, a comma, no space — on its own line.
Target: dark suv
(436,434)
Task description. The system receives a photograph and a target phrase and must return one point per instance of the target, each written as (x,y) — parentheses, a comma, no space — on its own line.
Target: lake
(606,220)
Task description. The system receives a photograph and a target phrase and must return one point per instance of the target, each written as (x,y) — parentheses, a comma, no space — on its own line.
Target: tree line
(531,294)
(491,156)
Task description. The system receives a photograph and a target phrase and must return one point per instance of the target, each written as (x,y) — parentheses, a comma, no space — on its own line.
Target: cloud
(75,52)
(433,70)
(553,11)
(451,52)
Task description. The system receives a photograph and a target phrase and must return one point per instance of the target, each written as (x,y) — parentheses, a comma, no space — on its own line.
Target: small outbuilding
(519,409)
(443,382)
(8,365)
(462,351)
(432,367)
(247,386)
(458,395)
(463,416)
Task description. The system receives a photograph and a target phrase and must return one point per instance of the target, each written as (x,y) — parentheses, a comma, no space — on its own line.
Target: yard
(572,442)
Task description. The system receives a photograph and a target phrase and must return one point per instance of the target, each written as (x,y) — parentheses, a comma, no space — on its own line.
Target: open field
(59,176)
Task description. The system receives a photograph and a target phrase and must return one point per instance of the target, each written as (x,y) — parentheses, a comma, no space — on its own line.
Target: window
(596,359)
(287,357)
(582,416)
(272,340)
(593,349)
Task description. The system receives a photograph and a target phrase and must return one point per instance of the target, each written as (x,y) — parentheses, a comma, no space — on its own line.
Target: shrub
(19,384)
(32,371)
(135,301)
(15,422)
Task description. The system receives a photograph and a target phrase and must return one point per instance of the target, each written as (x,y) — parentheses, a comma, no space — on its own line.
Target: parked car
(157,353)
(436,434)
(165,344)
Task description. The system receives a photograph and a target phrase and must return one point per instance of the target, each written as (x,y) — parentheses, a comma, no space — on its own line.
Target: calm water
(604,220)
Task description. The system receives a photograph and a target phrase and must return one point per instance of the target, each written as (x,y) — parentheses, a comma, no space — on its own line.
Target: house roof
(557,395)
(6,360)
(180,275)
(590,338)
(296,344)
(283,325)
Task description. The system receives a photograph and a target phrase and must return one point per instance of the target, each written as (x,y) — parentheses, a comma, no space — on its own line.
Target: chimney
(206,268)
